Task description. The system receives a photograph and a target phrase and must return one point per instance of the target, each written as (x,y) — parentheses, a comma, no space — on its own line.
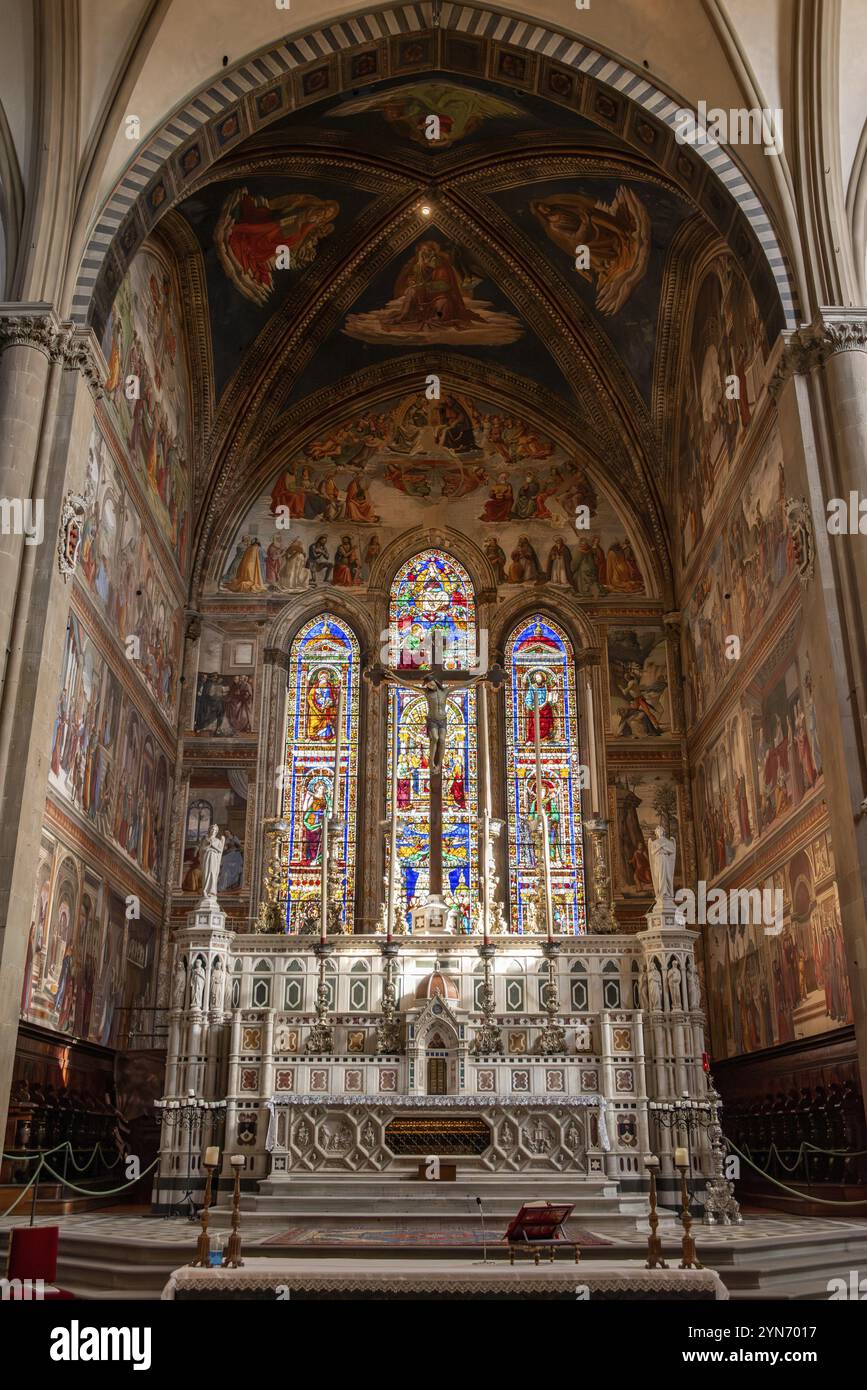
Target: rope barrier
(822,1201)
(110,1192)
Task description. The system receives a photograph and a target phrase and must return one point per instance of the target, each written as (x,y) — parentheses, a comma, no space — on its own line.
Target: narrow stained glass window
(324,661)
(432,618)
(541,668)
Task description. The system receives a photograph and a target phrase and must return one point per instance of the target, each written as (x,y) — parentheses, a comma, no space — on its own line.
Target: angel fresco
(251,230)
(432,303)
(407,109)
(616,234)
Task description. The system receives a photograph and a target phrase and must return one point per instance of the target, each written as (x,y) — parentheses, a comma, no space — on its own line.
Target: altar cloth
(349,1278)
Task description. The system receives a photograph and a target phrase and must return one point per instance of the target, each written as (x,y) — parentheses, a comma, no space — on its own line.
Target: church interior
(432,730)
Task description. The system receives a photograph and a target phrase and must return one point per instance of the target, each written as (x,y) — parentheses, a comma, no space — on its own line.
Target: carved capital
(811,346)
(587,657)
(37,326)
(275,656)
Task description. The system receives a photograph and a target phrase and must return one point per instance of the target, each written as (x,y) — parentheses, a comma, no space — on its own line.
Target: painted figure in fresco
(407,110)
(617,235)
(428,290)
(322,697)
(249,578)
(358,507)
(539,697)
(316,806)
(239,704)
(252,230)
(232,866)
(294,573)
(560,563)
(500,500)
(623,573)
(497,556)
(524,567)
(319,561)
(347,566)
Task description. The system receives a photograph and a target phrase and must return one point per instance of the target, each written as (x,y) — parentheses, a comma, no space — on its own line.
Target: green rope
(110,1192)
(823,1201)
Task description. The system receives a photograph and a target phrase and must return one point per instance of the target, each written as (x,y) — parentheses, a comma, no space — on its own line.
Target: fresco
(119,567)
(102,760)
(337,503)
(461,111)
(89,971)
(628,227)
(223,704)
(616,235)
(638,682)
(766,988)
(641,800)
(743,574)
(148,390)
(220,798)
(253,230)
(725,366)
(434,300)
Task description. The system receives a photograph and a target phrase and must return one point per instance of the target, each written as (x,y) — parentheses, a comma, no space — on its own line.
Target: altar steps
(308,1200)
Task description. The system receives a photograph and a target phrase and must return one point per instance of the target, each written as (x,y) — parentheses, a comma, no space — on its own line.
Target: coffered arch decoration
(475,43)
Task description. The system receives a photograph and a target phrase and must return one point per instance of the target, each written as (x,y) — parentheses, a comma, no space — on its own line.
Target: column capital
(588,656)
(62,342)
(833,330)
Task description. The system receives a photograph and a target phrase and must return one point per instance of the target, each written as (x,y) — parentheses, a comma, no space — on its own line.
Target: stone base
(430,919)
(207,916)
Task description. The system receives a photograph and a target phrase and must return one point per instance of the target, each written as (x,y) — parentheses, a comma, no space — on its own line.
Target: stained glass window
(432,615)
(324,661)
(433,594)
(542,685)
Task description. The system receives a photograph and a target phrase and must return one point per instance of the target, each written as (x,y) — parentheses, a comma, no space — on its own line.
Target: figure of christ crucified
(436,685)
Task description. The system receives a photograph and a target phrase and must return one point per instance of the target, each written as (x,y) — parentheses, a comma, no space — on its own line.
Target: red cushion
(33,1253)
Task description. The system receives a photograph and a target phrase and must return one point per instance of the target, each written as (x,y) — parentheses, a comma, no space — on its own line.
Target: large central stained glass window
(432,621)
(541,668)
(324,671)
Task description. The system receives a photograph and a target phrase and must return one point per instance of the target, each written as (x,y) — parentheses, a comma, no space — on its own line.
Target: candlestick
(484,754)
(392,841)
(338,751)
(543,819)
(591,741)
(203,1245)
(233,1249)
(654,1242)
(689,1255)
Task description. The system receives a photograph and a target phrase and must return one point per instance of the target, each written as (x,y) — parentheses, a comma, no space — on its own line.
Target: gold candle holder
(654,1242)
(203,1245)
(689,1254)
(233,1248)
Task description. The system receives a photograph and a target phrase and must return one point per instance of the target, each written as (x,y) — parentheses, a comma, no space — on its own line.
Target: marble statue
(662,850)
(655,987)
(693,987)
(210,856)
(217,984)
(674,978)
(179,984)
(197,985)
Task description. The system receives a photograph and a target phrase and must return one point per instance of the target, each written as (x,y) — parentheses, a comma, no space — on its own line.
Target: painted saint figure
(322,708)
(537,696)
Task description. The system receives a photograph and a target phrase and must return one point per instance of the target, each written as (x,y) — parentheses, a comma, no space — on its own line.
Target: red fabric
(33,1253)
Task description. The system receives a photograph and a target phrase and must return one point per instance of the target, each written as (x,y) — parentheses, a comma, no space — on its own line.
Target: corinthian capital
(38,326)
(832,331)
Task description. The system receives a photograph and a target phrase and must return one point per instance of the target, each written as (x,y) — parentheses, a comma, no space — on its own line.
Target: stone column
(820,386)
(50,373)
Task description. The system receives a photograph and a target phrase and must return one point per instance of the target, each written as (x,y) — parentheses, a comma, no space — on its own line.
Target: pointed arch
(432,621)
(324,678)
(541,666)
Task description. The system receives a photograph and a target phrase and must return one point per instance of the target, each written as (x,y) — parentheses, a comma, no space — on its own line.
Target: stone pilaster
(50,373)
(820,386)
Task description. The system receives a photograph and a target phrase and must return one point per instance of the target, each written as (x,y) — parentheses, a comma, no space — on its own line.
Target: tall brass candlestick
(203,1245)
(392,832)
(654,1243)
(689,1254)
(545,846)
(233,1248)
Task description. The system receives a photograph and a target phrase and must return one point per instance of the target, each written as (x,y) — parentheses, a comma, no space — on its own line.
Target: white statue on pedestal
(217,983)
(662,850)
(674,994)
(179,987)
(210,857)
(197,985)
